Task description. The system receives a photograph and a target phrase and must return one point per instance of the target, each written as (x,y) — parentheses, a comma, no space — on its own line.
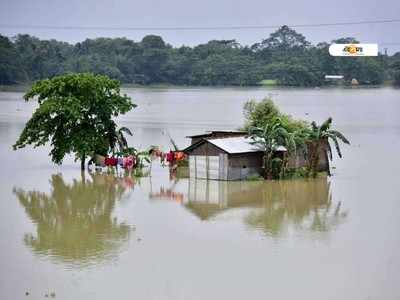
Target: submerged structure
(229,155)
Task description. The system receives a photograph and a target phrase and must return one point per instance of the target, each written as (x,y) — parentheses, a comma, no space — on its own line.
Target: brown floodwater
(101,236)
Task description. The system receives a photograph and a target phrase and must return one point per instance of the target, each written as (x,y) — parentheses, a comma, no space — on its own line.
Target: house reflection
(74,222)
(271,206)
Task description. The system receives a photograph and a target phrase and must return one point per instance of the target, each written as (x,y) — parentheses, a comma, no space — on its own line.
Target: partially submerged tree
(75,115)
(319,137)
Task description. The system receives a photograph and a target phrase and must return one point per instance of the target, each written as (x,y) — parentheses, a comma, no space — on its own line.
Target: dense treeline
(285,56)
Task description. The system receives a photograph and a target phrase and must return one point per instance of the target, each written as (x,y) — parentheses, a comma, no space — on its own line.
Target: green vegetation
(273,134)
(284,58)
(75,115)
(319,136)
(268,82)
(271,129)
(259,114)
(117,138)
(396,72)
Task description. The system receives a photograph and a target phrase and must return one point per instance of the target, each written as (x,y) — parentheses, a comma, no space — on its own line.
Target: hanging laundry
(110,161)
(129,162)
(170,156)
(179,155)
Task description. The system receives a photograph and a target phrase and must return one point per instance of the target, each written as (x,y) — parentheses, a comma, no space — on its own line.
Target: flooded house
(230,158)
(229,155)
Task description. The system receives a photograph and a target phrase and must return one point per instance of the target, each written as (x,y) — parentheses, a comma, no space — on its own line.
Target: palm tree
(319,138)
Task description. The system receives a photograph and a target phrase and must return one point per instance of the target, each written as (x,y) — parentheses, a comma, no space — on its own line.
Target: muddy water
(94,236)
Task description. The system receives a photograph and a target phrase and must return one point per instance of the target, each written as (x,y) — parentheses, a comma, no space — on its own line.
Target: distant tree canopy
(11,69)
(285,56)
(75,115)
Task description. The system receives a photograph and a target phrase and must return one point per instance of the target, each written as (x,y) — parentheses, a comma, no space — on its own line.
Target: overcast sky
(188,13)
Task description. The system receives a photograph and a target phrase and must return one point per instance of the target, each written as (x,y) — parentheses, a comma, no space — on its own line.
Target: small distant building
(218,155)
(334,79)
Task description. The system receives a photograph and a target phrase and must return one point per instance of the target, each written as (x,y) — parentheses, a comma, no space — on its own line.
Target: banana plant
(319,137)
(269,138)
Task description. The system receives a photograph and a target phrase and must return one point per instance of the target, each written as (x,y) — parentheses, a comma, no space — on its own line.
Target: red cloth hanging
(110,161)
(170,156)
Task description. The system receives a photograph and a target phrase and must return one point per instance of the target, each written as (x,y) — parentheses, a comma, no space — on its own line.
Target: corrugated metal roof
(217,131)
(235,145)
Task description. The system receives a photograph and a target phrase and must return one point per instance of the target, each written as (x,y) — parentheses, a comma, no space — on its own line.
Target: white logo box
(353,49)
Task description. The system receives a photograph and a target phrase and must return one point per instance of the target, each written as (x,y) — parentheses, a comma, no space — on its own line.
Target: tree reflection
(306,205)
(274,206)
(74,221)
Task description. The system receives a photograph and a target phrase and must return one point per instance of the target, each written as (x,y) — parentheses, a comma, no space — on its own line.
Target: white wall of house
(208,167)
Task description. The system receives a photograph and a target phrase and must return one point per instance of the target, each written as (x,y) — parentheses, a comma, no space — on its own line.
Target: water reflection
(170,193)
(74,221)
(300,205)
(274,207)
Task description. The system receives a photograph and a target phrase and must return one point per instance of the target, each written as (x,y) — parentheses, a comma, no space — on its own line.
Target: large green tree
(75,115)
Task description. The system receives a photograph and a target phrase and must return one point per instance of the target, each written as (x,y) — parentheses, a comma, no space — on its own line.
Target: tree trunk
(83,162)
(285,162)
(83,177)
(315,160)
(267,165)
